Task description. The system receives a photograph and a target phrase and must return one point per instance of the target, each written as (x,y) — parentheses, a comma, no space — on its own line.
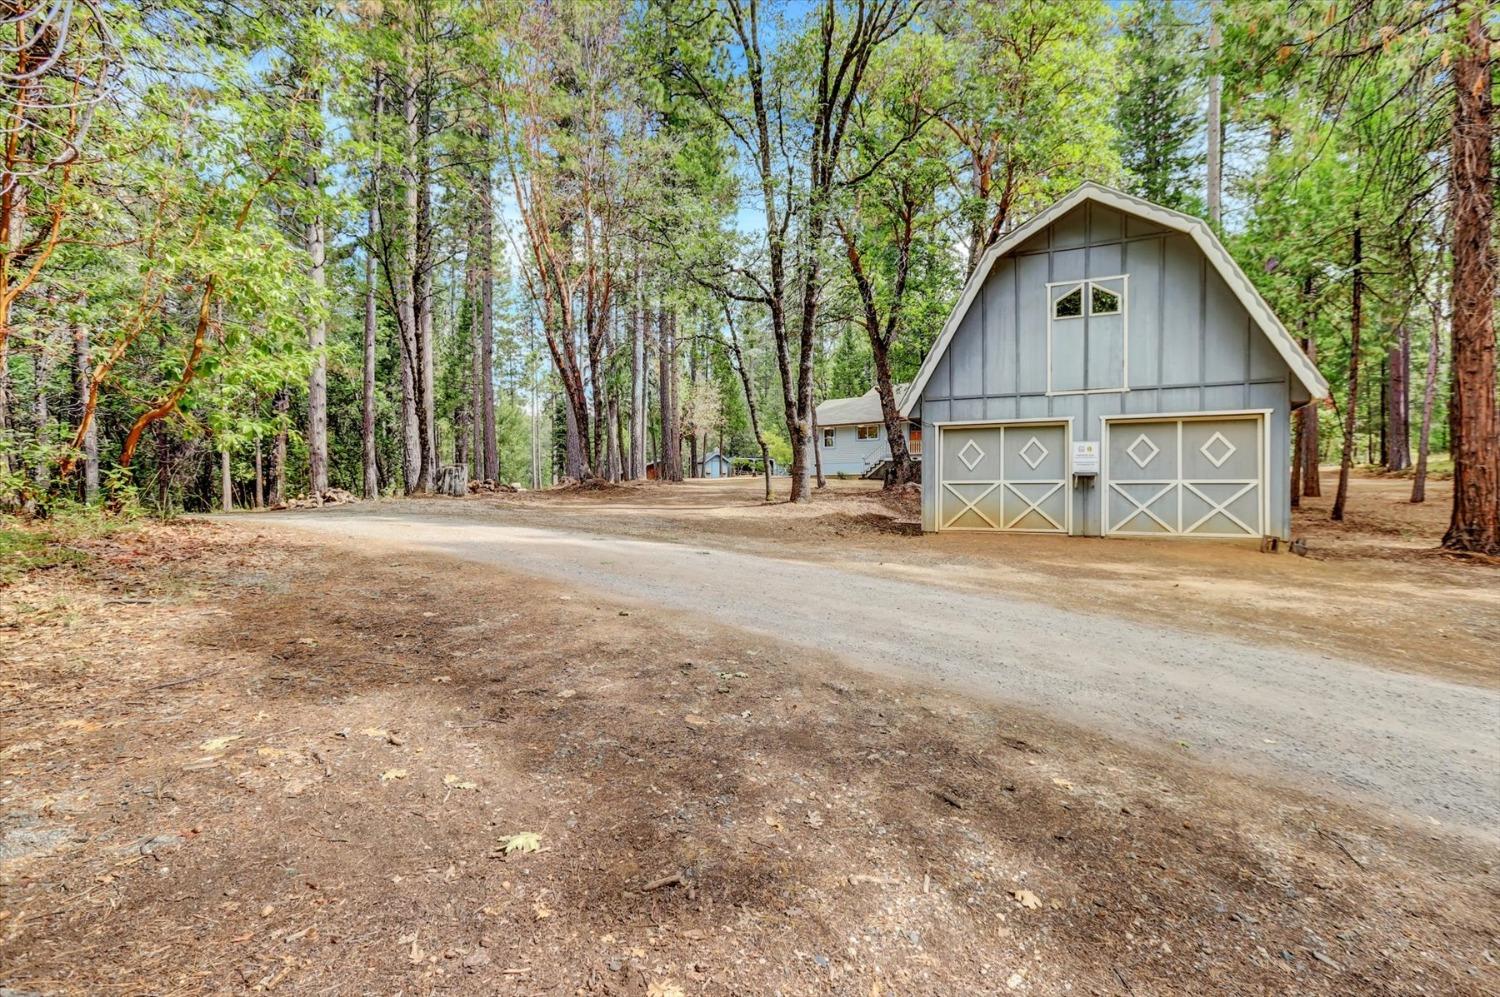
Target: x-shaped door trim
(1219,507)
(970,506)
(1034,506)
(1141,507)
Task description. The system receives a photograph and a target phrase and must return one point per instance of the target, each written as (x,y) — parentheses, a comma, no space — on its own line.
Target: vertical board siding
(1189,346)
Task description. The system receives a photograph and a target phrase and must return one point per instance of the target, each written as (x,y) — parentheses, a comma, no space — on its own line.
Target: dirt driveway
(1371,588)
(1420,744)
(243,759)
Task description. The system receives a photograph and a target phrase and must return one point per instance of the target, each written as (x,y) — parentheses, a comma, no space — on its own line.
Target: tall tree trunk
(1397,403)
(1215,122)
(41,415)
(317,339)
(463,437)
(612,437)
(638,381)
(1429,396)
(1475,523)
(1306,413)
(260,477)
(472,279)
(1312,455)
(1351,403)
(692,437)
(83,369)
(487,328)
(427,411)
(903,468)
(670,449)
(278,454)
(742,368)
(226,481)
(411,407)
(372,231)
(573,465)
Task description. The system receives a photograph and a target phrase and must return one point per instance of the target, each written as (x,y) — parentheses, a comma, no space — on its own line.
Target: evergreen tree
(1158,111)
(848,367)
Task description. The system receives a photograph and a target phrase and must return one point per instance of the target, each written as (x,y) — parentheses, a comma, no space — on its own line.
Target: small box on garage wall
(1086,457)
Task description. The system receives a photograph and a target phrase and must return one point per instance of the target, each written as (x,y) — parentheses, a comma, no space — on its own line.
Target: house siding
(1190,347)
(851,455)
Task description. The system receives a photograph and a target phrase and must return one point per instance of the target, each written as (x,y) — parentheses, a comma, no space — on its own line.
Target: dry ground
(1372,588)
(230,763)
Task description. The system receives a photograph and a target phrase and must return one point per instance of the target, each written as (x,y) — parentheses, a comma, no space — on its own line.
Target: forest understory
(234,761)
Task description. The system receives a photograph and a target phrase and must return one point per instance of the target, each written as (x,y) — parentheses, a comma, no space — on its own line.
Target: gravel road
(1420,745)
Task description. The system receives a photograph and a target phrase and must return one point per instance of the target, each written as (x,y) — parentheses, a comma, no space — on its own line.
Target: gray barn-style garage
(1109,370)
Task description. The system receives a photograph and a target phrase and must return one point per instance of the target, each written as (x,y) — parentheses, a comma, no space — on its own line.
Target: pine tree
(1157,114)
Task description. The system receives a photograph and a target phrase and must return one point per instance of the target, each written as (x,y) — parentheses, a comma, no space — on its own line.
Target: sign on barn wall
(1086,457)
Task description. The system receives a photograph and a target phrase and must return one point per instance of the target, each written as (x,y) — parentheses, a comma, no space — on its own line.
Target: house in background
(851,436)
(1109,370)
(716,465)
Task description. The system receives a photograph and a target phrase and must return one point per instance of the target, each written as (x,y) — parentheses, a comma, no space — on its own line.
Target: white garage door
(1004,477)
(1201,477)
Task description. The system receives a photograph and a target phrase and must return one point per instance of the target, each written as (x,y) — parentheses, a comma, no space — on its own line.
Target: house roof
(1286,346)
(859,411)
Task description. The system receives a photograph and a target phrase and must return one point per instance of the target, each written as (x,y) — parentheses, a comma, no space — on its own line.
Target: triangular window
(1102,301)
(1070,305)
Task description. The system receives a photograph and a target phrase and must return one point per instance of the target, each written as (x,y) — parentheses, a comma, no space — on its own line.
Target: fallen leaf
(1027,899)
(663,988)
(455,782)
(1065,784)
(526,841)
(567,694)
(390,774)
(219,743)
(814,819)
(1016,979)
(376,733)
(541,910)
(694,720)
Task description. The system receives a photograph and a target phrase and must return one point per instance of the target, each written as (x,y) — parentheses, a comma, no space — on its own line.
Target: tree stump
(453,479)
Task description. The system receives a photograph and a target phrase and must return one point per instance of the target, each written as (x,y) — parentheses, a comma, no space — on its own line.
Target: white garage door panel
(1201,477)
(1004,477)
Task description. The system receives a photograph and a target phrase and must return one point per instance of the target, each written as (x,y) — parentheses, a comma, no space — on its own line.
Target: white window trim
(1118,296)
(1081,287)
(830,437)
(1085,283)
(859,433)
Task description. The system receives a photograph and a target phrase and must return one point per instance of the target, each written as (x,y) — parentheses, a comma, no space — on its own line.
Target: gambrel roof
(1244,291)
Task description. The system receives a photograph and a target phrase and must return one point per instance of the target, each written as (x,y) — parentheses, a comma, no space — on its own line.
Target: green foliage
(779,447)
(1159,114)
(848,371)
(24,550)
(625,129)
